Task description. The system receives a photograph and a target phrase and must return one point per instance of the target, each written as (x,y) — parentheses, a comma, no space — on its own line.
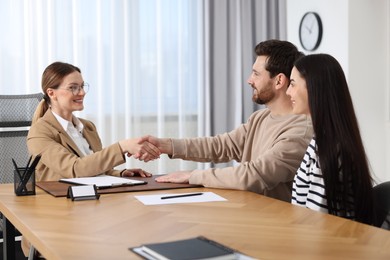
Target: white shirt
(75,131)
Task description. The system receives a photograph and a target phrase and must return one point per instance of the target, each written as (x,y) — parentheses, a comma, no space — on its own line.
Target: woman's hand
(140,149)
(135,172)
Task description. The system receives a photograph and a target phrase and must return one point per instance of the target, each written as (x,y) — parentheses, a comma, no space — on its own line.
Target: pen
(181,195)
(28,163)
(121,184)
(17,170)
(115,185)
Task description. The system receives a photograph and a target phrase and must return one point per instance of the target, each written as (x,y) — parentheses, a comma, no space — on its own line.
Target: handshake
(146,148)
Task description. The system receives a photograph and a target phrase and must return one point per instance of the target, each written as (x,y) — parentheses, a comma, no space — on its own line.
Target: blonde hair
(52,77)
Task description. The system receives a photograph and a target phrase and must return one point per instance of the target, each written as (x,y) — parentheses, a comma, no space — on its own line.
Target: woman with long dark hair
(334,176)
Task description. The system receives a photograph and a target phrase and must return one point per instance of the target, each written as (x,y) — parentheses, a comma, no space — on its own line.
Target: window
(140,58)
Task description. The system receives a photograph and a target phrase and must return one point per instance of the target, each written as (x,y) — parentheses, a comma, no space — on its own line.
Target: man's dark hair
(281,56)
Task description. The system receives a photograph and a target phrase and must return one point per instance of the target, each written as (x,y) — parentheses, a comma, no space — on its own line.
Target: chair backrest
(382,205)
(16,113)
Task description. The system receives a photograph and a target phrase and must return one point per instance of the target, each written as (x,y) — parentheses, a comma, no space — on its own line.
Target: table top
(256,225)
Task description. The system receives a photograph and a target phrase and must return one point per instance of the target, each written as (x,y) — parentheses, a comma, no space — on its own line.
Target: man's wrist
(167,146)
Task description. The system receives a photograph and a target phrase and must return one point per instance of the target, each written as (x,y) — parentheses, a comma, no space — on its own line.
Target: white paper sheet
(156,199)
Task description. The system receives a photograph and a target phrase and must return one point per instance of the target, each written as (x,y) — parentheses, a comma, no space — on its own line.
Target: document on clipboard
(103,181)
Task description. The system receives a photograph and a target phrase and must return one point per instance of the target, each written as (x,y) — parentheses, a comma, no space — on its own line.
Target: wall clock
(310,31)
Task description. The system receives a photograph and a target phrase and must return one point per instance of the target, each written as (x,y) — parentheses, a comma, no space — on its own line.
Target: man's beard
(263,97)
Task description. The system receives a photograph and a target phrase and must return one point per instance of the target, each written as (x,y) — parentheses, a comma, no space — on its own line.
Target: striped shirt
(308,187)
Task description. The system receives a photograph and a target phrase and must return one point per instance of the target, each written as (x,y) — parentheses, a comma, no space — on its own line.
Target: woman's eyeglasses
(75,89)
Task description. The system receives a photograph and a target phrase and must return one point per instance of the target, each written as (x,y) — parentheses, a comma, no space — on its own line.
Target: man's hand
(163,144)
(175,177)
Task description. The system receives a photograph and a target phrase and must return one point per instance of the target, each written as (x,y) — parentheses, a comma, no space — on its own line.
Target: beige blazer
(61,157)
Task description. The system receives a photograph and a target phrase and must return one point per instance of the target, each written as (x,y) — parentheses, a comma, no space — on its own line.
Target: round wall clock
(310,31)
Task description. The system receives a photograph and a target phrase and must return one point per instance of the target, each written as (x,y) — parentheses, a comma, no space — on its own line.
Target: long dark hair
(342,158)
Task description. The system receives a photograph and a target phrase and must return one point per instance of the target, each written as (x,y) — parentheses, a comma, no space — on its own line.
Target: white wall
(356,33)
(334,16)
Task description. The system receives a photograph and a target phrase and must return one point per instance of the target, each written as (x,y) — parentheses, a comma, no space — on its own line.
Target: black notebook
(188,249)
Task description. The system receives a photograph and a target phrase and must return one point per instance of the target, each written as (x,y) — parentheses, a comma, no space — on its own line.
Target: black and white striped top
(308,187)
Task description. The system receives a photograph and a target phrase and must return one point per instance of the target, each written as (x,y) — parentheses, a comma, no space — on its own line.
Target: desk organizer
(24,178)
(24,181)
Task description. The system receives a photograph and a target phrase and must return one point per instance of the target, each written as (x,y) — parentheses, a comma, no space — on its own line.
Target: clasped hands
(149,148)
(146,148)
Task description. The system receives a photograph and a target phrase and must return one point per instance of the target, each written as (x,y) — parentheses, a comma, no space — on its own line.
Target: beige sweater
(268,148)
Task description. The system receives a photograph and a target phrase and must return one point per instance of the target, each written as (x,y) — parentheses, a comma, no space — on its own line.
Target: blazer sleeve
(60,159)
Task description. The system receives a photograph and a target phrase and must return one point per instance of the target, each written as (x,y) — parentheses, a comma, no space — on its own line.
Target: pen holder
(24,181)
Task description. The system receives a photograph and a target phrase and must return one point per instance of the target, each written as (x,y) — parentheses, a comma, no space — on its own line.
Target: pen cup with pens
(24,186)
(24,178)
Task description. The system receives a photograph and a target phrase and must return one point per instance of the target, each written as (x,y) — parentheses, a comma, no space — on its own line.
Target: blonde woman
(69,146)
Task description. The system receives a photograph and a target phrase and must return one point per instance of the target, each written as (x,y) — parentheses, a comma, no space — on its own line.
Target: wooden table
(253,224)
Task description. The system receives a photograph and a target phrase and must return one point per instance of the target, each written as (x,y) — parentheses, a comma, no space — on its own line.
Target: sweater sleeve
(217,149)
(267,150)
(276,166)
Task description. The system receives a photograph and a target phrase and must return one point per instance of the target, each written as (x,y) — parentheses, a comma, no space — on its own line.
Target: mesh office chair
(382,205)
(16,113)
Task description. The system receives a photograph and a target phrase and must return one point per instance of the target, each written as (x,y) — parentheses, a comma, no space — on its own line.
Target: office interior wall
(356,32)
(387,97)
(368,69)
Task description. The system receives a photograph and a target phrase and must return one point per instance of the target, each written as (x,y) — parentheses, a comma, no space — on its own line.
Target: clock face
(310,31)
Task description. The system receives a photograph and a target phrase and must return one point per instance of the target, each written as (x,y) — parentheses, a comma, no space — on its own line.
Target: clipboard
(104,181)
(60,189)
